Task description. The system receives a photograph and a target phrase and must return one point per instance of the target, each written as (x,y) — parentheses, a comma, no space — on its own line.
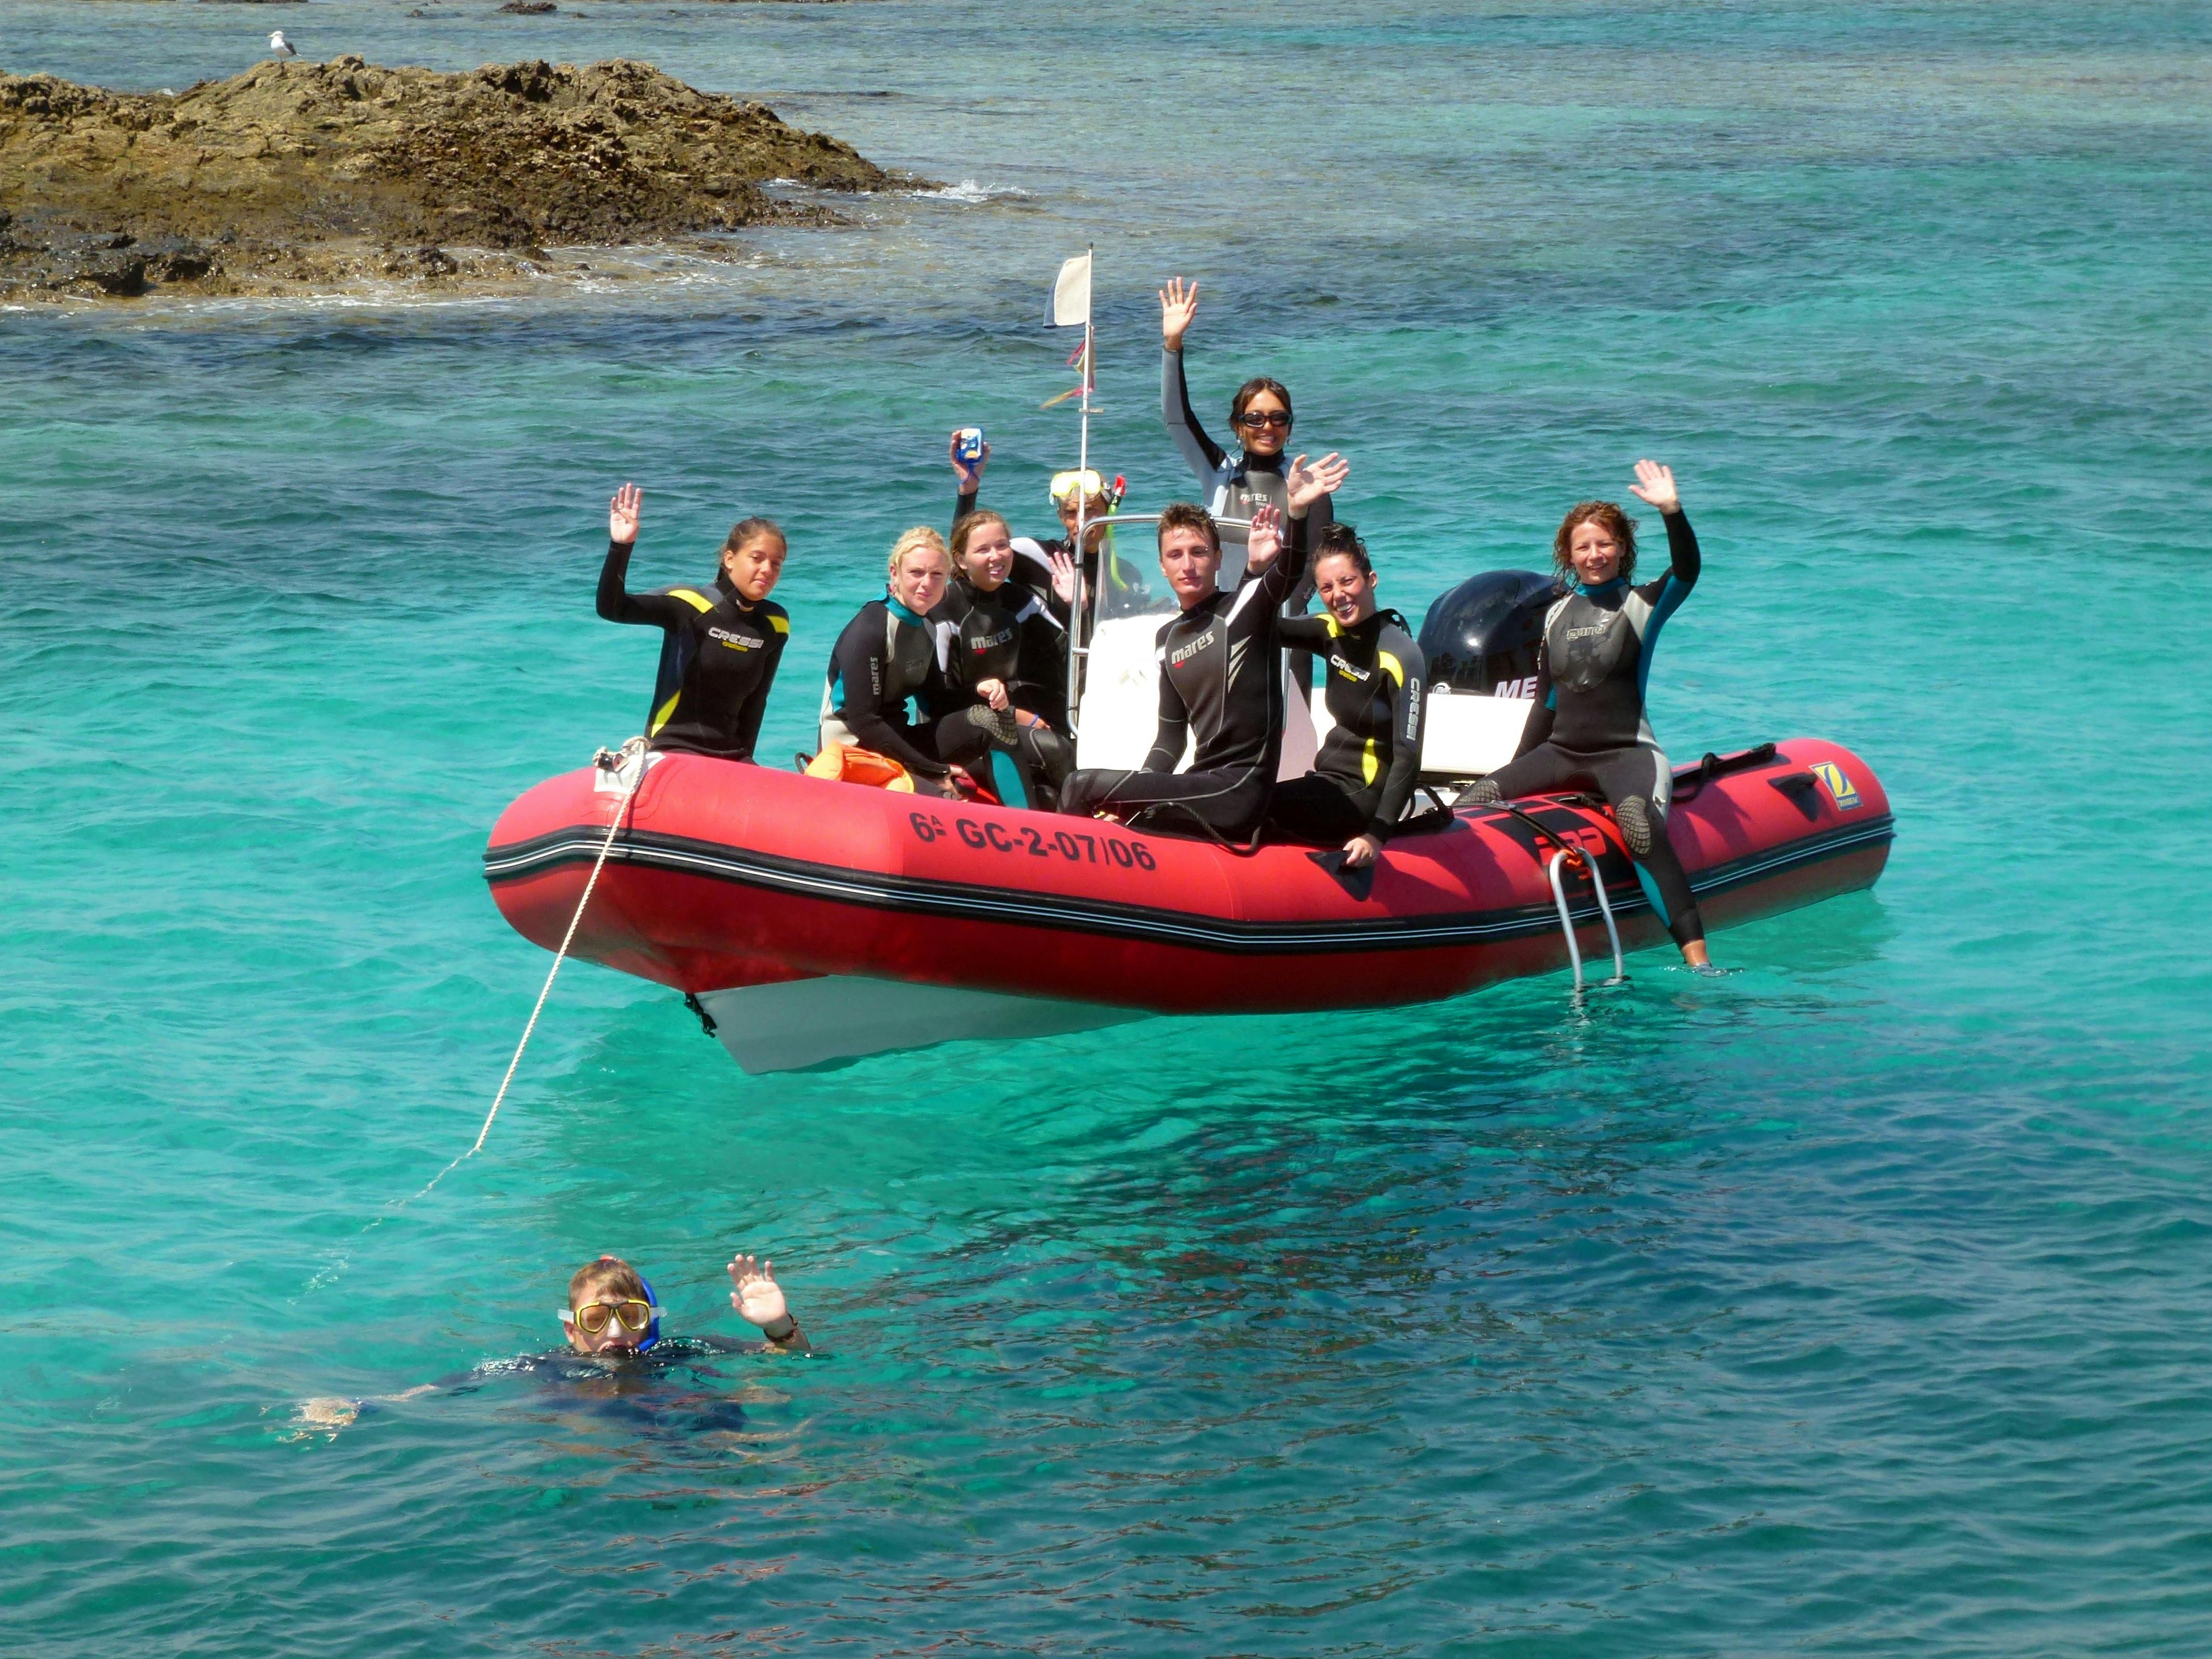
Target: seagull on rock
(280,47)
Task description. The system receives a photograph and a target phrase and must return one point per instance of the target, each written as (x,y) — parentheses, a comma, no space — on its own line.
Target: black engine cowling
(1482,635)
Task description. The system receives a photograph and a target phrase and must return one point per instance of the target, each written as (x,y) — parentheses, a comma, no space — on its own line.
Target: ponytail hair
(1341,541)
(746,529)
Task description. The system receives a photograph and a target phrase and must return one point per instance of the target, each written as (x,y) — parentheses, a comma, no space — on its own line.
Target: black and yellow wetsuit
(718,659)
(1589,729)
(1364,774)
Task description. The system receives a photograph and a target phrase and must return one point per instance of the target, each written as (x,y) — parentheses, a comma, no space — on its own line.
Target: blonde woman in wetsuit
(1589,729)
(892,652)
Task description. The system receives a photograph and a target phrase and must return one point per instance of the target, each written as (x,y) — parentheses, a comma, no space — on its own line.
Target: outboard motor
(1482,636)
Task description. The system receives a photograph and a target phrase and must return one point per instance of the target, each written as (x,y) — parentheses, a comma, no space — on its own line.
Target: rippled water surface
(1858,1303)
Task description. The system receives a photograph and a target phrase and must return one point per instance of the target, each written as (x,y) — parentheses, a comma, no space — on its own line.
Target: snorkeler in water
(612,1324)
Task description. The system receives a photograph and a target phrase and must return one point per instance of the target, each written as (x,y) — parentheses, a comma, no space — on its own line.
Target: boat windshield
(1130,583)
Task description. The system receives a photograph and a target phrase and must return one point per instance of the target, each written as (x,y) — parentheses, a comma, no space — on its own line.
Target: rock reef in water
(297,173)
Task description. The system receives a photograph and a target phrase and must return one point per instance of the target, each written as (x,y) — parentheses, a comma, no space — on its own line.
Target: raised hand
(622,514)
(754,1293)
(971,472)
(1308,484)
(1178,310)
(1063,577)
(1655,484)
(1266,538)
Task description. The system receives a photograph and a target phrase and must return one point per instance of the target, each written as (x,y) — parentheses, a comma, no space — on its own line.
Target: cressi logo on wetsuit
(1372,754)
(718,658)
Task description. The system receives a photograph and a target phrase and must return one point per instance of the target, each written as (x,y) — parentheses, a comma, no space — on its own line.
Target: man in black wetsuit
(721,645)
(1221,674)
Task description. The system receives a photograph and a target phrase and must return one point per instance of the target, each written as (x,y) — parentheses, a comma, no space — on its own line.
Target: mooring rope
(604,760)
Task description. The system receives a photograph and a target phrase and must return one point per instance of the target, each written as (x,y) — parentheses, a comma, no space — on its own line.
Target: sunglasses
(592,1318)
(1280,419)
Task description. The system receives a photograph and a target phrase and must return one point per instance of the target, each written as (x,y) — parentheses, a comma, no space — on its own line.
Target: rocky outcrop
(298,172)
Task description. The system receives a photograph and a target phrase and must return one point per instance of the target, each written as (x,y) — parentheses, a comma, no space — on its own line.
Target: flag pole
(1077,650)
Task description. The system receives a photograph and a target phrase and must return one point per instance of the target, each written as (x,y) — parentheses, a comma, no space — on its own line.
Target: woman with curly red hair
(1589,729)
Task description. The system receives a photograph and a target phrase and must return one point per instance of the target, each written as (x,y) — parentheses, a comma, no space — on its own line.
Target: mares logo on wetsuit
(990,641)
(1185,654)
(1839,785)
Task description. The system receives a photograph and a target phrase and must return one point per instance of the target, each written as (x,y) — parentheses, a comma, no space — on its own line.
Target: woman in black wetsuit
(721,643)
(1589,729)
(892,650)
(1373,679)
(1046,568)
(1007,670)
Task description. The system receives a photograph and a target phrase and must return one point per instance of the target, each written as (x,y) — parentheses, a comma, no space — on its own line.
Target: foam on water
(1857,1302)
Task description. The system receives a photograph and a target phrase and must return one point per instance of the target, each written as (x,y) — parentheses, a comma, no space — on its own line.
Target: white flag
(1071,294)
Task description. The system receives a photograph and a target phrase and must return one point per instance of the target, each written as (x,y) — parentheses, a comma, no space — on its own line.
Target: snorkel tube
(652,1325)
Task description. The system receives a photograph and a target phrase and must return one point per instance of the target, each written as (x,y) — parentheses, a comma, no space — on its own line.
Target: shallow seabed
(1858,1303)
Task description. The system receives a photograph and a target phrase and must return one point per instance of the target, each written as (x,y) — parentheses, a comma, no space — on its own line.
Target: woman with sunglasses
(1008,670)
(1260,419)
(894,652)
(1373,684)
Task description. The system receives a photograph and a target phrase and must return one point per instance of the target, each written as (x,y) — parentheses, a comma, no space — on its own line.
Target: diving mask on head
(1086,481)
(633,1313)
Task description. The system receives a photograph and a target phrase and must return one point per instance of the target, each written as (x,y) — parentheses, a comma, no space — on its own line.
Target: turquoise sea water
(1859,1302)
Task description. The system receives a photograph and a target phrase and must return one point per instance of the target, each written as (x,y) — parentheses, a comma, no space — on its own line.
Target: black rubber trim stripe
(654,851)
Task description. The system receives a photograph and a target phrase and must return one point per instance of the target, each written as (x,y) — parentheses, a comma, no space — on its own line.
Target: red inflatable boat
(814,920)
